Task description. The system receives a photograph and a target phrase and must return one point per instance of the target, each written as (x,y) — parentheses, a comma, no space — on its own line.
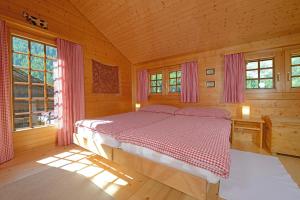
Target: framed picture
(210,84)
(210,71)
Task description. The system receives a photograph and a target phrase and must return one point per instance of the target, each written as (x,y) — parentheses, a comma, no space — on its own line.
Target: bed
(196,145)
(188,151)
(99,135)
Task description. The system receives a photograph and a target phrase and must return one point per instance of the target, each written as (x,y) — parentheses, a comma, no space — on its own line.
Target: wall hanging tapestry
(105,78)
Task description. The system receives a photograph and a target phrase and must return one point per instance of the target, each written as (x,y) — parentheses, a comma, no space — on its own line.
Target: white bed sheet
(169,161)
(98,137)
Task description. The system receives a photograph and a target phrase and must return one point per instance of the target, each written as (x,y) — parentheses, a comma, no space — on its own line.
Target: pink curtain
(6,142)
(189,82)
(142,86)
(69,89)
(234,78)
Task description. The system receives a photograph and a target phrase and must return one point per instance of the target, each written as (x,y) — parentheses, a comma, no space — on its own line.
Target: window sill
(29,129)
(266,90)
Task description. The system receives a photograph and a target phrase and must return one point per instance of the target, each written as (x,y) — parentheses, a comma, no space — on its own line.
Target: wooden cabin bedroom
(150,99)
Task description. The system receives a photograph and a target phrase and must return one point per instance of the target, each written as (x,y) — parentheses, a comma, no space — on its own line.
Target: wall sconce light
(137,106)
(246,112)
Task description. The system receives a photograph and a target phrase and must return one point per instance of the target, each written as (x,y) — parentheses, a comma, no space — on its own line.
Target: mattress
(105,130)
(198,141)
(98,137)
(169,161)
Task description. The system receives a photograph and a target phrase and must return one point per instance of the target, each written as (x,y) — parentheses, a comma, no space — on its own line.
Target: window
(33,91)
(156,83)
(295,68)
(175,81)
(260,74)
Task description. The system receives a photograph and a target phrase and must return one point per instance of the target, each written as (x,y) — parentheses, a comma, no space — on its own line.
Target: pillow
(205,112)
(159,109)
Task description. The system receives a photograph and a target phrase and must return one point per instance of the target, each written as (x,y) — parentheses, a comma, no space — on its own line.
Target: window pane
(159,89)
(38,105)
(153,77)
(296,60)
(178,88)
(266,63)
(266,83)
(50,64)
(38,120)
(21,121)
(37,49)
(20,60)
(266,73)
(159,83)
(296,71)
(172,88)
(251,84)
(50,91)
(51,52)
(252,74)
(178,73)
(20,45)
(173,81)
(50,105)
(159,76)
(50,78)
(37,91)
(21,91)
(37,63)
(37,77)
(296,82)
(21,106)
(153,83)
(173,75)
(252,65)
(153,89)
(20,75)
(179,81)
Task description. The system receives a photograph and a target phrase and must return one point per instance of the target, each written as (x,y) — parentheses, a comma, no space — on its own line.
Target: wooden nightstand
(251,125)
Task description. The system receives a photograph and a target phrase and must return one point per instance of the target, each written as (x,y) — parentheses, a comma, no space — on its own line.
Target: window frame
(290,78)
(156,86)
(168,71)
(29,38)
(258,60)
(290,52)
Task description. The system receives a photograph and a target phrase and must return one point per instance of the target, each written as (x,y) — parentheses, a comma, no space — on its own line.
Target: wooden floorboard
(119,182)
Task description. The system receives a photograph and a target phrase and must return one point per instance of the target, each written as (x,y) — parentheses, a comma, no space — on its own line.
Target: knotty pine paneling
(65,21)
(275,103)
(147,30)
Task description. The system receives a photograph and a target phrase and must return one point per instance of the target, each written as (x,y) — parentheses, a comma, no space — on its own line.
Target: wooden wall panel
(147,30)
(64,21)
(277,103)
(29,139)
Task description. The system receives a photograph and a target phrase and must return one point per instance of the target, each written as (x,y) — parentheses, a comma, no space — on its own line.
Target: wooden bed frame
(189,184)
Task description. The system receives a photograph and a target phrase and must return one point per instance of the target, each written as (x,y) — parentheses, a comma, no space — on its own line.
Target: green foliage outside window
(260,74)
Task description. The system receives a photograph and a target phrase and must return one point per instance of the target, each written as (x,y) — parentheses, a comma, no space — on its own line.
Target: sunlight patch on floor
(87,164)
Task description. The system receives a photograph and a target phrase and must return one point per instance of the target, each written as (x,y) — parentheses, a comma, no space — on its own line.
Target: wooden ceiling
(145,30)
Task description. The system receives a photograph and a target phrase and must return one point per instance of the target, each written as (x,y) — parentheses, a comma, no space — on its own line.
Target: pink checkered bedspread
(114,124)
(202,142)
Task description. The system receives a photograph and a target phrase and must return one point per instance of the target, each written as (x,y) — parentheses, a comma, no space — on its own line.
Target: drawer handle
(278,76)
(288,76)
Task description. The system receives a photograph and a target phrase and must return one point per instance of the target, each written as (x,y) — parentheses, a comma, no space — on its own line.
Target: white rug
(259,177)
(53,184)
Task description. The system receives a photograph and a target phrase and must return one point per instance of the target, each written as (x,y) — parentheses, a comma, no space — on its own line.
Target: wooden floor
(113,179)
